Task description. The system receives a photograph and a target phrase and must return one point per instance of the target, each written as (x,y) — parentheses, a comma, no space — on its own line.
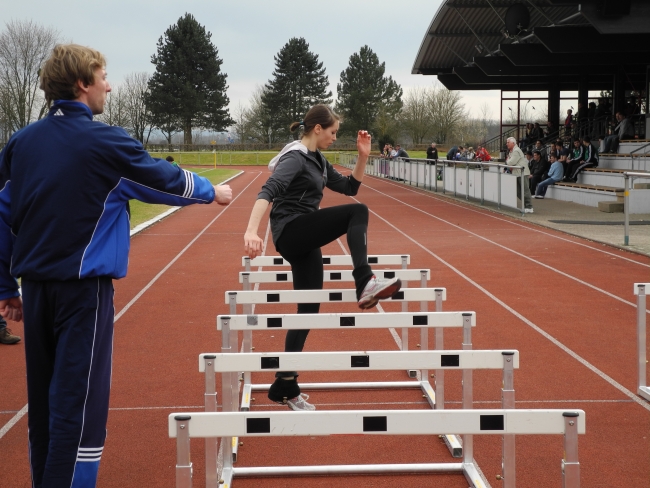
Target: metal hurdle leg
(405,332)
(247,346)
(643,390)
(508,402)
(440,373)
(211,443)
(230,387)
(570,463)
(425,384)
(468,394)
(183,463)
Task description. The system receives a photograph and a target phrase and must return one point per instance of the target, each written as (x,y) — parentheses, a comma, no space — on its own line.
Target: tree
(24,46)
(447,111)
(188,89)
(135,91)
(115,112)
(363,90)
(299,82)
(416,116)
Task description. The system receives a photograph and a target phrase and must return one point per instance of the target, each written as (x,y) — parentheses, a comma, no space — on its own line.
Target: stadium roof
(531,44)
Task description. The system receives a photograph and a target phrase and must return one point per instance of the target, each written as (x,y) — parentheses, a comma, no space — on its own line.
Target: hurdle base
(334,470)
(352,385)
(246,398)
(644,392)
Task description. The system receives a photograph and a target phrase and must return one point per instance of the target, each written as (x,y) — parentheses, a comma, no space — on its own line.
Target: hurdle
(402,260)
(640,292)
(247,278)
(505,422)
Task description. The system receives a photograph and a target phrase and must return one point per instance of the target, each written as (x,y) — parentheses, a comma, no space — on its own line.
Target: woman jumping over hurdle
(300,227)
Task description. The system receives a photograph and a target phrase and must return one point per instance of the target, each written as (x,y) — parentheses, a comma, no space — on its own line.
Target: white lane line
(538,329)
(488,213)
(23,410)
(169,265)
(571,277)
(175,407)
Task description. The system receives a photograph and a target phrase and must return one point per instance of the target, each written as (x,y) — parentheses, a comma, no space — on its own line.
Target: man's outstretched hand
(222,194)
(12,309)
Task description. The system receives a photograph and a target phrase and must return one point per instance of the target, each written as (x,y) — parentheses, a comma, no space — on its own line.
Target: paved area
(555,214)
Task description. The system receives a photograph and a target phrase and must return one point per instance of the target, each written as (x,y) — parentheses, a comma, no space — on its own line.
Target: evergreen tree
(299,82)
(364,93)
(188,89)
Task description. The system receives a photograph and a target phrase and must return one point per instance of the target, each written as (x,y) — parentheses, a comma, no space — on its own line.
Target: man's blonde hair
(68,64)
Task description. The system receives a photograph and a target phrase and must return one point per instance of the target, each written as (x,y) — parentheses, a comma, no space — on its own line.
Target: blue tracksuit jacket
(65,183)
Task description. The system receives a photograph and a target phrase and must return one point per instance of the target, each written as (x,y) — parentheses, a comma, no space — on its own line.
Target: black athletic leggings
(300,244)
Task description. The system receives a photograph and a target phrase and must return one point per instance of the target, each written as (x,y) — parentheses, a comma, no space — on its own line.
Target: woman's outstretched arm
(253,245)
(363,146)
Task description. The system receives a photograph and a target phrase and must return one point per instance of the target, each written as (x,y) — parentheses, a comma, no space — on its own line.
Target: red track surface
(520,279)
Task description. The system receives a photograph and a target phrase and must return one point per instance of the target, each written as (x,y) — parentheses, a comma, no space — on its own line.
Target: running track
(565,303)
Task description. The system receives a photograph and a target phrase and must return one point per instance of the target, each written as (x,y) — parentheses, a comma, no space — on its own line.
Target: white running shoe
(300,403)
(528,210)
(378,289)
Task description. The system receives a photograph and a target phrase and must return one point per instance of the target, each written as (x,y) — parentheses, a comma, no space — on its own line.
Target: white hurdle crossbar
(335,260)
(640,292)
(506,422)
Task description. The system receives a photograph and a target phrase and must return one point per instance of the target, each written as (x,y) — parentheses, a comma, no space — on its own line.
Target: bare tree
(447,111)
(134,91)
(416,117)
(260,125)
(115,112)
(24,46)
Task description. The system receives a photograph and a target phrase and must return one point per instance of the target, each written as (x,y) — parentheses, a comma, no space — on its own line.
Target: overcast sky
(248,34)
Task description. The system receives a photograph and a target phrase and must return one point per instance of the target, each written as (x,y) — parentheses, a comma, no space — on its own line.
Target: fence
(218,158)
(477,180)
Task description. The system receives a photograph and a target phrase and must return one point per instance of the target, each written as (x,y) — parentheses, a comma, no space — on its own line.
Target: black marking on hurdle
(373,260)
(375,424)
(326,260)
(270,362)
(278,261)
(389,274)
(272,297)
(450,360)
(274,322)
(347,321)
(335,276)
(182,418)
(420,320)
(258,426)
(491,422)
(336,297)
(398,296)
(281,277)
(360,361)
(564,414)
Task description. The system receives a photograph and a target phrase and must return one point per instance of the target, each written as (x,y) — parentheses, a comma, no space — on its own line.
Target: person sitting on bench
(590,160)
(555,174)
(624,130)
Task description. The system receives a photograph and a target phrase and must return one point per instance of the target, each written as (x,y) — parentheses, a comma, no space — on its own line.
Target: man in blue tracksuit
(65,183)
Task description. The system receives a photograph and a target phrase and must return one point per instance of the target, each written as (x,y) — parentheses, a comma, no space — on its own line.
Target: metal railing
(629,177)
(396,169)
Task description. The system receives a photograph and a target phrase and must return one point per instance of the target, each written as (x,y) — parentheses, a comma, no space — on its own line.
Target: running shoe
(300,403)
(528,210)
(378,289)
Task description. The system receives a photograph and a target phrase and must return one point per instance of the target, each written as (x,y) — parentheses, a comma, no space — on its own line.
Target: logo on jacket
(58,112)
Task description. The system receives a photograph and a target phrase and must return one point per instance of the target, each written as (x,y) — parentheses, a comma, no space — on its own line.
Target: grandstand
(556,52)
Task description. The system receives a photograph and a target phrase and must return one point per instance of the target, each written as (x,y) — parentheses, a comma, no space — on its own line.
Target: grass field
(141,212)
(225,158)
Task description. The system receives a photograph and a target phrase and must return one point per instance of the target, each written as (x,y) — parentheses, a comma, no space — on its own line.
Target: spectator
(529,158)
(555,174)
(538,133)
(591,111)
(432,151)
(393,153)
(539,146)
(482,154)
(6,337)
(170,159)
(567,122)
(565,152)
(624,130)
(589,160)
(538,169)
(451,154)
(460,154)
(551,130)
(470,154)
(401,153)
(528,136)
(516,158)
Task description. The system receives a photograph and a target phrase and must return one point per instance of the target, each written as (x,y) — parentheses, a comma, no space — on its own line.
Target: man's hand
(363,143)
(12,309)
(222,194)
(253,245)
